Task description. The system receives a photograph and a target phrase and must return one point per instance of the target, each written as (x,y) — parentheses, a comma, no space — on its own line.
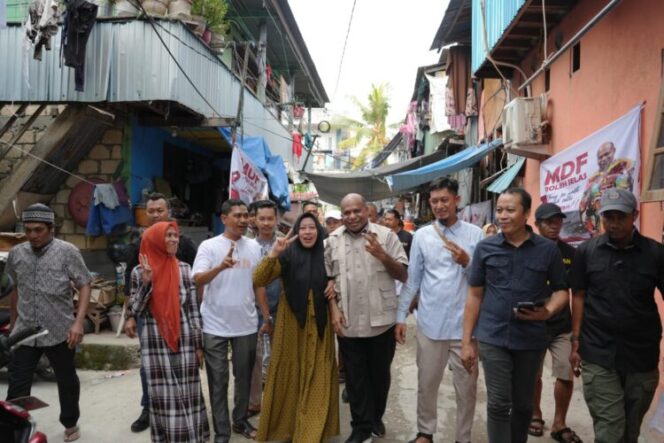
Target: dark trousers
(367,363)
(22,368)
(216,363)
(145,399)
(510,381)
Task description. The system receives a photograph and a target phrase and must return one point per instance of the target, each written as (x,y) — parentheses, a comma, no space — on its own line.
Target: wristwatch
(573,338)
(270,320)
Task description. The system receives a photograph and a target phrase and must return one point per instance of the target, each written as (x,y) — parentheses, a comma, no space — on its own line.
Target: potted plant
(214,12)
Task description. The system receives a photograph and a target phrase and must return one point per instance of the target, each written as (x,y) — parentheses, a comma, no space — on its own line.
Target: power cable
(343,51)
(191,82)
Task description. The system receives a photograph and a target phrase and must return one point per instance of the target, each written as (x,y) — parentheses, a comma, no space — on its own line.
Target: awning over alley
(412,178)
(371,184)
(507,177)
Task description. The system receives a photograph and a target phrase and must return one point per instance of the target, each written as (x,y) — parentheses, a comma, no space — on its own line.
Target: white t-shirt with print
(229,305)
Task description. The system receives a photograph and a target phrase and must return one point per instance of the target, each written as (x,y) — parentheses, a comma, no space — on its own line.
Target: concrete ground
(110,402)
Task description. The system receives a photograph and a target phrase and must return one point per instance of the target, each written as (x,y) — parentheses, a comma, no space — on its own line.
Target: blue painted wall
(147,156)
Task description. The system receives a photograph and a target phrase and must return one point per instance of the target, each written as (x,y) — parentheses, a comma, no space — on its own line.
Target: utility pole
(240,105)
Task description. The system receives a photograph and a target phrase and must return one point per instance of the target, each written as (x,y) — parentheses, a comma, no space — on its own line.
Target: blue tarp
(506,178)
(446,166)
(271,165)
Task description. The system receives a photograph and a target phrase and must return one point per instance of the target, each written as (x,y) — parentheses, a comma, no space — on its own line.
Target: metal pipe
(605,10)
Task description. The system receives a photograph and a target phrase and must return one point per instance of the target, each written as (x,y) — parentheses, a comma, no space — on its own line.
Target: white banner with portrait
(247,181)
(575,178)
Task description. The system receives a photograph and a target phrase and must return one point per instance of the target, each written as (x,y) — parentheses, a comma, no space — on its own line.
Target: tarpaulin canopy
(464,159)
(506,178)
(370,183)
(271,165)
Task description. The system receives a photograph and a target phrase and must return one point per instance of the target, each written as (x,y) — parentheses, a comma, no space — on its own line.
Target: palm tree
(370,131)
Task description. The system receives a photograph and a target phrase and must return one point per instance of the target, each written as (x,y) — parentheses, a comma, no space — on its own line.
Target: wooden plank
(5,148)
(54,136)
(647,193)
(13,119)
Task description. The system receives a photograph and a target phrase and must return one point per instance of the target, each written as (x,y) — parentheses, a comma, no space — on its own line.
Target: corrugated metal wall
(126,62)
(499,14)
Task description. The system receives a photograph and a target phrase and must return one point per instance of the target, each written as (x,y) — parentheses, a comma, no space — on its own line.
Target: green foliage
(214,12)
(371,130)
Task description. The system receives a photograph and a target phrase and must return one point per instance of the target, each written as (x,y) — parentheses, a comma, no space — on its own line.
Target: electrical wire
(495,63)
(343,51)
(152,23)
(177,63)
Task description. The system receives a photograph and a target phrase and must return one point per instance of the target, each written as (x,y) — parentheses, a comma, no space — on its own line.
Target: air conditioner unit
(522,122)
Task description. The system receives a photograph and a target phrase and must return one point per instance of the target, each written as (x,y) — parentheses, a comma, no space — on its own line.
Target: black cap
(548,210)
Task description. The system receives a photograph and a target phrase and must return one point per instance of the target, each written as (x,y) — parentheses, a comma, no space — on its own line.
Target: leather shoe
(142,422)
(378,429)
(359,436)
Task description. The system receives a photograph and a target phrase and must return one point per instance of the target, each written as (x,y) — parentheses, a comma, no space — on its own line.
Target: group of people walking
(501,300)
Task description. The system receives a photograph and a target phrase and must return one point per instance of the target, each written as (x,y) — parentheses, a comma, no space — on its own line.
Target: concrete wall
(101,162)
(621,66)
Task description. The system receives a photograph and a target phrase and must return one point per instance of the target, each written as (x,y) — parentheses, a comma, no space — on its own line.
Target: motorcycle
(16,424)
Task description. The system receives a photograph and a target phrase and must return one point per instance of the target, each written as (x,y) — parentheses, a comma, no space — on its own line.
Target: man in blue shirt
(440,256)
(511,276)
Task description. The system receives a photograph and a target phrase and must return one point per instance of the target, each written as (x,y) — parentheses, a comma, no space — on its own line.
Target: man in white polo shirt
(224,266)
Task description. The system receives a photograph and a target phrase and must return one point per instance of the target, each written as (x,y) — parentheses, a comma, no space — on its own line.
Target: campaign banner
(247,182)
(576,178)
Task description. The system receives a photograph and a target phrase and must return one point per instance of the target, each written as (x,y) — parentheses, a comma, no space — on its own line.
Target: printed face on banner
(576,178)
(247,182)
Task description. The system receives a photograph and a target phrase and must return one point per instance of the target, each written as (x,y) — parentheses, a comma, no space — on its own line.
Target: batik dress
(301,395)
(177,408)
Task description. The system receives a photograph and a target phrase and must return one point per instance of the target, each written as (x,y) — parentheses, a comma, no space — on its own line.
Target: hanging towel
(105,194)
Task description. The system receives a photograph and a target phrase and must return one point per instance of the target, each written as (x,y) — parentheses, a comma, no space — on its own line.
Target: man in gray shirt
(44,269)
(362,261)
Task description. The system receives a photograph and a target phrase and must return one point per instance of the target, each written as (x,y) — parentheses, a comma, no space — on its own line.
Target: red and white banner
(575,178)
(247,181)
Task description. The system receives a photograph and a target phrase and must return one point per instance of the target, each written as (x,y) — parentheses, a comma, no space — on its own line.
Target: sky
(388,41)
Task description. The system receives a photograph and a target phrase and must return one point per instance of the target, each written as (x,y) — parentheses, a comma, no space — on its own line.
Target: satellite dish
(324,127)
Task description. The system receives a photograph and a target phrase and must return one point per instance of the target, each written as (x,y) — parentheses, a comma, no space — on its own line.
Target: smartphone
(529,305)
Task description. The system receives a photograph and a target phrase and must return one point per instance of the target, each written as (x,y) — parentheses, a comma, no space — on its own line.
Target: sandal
(72,434)
(245,428)
(536,428)
(566,435)
(429,437)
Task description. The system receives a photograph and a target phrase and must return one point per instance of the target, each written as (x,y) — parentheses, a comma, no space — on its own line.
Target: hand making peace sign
(147,270)
(282,244)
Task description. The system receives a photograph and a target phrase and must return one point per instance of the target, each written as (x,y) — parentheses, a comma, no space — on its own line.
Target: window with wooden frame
(653,186)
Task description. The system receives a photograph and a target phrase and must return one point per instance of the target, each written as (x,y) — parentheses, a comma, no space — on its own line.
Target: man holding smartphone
(511,267)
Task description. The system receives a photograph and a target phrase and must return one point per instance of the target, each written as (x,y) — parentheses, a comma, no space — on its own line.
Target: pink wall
(621,65)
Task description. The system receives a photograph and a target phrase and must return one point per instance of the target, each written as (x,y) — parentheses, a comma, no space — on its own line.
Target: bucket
(180,9)
(155,7)
(141,217)
(124,8)
(114,318)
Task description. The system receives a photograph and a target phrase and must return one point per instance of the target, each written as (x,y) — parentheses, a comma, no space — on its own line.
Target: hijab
(303,270)
(165,300)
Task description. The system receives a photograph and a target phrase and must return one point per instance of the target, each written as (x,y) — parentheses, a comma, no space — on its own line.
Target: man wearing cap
(549,221)
(44,269)
(616,329)
(332,220)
